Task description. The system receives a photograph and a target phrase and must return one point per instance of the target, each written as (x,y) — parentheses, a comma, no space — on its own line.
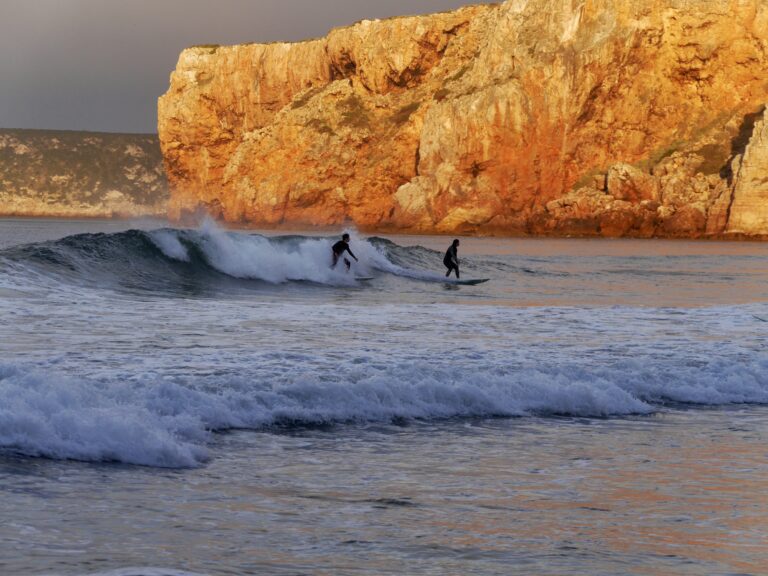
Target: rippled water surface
(211,402)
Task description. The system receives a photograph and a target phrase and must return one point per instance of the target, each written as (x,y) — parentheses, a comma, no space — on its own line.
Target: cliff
(80,174)
(591,117)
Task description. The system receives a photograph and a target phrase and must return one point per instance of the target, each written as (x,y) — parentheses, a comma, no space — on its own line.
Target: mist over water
(204,352)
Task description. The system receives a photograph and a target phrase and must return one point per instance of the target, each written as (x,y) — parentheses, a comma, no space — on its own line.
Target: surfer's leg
(347,263)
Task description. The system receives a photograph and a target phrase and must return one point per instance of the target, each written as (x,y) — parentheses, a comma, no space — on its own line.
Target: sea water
(204,401)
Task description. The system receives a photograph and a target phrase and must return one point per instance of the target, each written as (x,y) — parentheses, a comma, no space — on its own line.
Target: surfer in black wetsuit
(451,259)
(339,248)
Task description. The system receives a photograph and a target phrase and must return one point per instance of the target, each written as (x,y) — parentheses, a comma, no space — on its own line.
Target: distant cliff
(62,173)
(557,117)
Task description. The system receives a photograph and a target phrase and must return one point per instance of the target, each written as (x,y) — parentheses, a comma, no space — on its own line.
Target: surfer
(451,259)
(339,248)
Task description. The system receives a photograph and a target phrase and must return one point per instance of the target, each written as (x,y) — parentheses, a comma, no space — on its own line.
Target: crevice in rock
(342,67)
(590,104)
(739,142)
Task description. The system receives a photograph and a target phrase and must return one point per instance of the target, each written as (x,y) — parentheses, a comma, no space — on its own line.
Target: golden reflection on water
(607,272)
(699,496)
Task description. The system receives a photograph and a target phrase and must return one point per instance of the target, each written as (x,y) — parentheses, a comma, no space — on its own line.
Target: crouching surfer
(339,248)
(451,259)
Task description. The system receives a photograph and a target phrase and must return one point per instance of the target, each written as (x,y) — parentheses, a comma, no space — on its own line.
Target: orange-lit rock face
(601,117)
(749,210)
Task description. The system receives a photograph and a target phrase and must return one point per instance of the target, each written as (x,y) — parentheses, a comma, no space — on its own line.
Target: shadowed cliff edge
(548,117)
(80,174)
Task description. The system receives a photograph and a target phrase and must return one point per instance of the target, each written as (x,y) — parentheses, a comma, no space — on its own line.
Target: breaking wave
(171,259)
(166,422)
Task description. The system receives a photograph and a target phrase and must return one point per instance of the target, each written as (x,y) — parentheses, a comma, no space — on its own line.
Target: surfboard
(472,282)
(363,278)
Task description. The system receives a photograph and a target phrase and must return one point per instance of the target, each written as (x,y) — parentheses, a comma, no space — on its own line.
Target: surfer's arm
(350,253)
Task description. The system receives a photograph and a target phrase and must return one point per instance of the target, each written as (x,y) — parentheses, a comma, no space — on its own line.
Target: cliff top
(212,48)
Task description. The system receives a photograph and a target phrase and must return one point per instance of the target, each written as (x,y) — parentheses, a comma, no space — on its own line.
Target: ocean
(212,402)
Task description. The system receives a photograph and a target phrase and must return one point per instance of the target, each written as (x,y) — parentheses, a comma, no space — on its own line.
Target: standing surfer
(339,248)
(451,259)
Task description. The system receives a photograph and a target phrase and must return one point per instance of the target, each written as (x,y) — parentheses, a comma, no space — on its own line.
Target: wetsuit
(338,249)
(451,260)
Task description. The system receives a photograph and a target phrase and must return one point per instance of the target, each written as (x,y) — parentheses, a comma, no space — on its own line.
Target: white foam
(46,415)
(169,244)
(257,257)
(164,421)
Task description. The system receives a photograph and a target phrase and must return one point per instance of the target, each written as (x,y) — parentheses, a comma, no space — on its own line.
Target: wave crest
(163,422)
(169,259)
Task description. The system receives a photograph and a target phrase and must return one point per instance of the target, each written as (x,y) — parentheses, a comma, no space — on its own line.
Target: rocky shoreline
(70,174)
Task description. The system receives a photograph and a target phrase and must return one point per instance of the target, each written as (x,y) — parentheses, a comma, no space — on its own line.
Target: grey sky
(101,64)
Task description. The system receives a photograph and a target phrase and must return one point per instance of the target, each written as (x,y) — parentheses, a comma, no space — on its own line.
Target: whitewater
(137,352)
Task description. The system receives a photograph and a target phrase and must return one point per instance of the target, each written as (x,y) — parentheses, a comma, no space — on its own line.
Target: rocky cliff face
(80,174)
(749,207)
(588,117)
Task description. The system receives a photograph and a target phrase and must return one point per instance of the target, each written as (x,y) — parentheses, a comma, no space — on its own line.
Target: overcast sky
(101,64)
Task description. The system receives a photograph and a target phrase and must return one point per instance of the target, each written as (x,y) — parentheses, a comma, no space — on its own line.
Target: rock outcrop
(562,117)
(749,209)
(80,174)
